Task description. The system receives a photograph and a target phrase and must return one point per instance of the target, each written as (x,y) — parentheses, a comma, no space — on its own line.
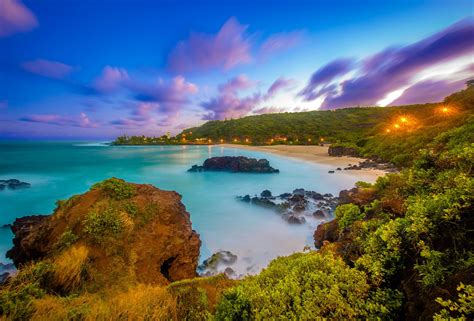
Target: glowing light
(271,140)
(210,140)
(222,140)
(322,139)
(235,140)
(445,109)
(309,139)
(396,126)
(388,130)
(246,140)
(284,139)
(403,119)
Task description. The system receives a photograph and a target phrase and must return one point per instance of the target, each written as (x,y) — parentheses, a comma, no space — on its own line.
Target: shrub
(459,310)
(116,188)
(99,224)
(66,239)
(347,214)
(302,287)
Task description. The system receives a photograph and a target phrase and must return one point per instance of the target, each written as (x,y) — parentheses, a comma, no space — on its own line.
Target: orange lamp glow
(322,139)
(396,126)
(235,140)
(246,140)
(210,140)
(388,130)
(403,119)
(309,139)
(272,140)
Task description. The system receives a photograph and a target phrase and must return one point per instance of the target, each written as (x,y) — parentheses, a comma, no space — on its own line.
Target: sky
(84,69)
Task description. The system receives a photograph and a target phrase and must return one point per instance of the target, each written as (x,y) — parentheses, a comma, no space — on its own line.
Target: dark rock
(264,202)
(299,191)
(338,169)
(266,193)
(210,265)
(319,214)
(293,219)
(13,184)
(331,172)
(246,198)
(285,195)
(314,195)
(235,164)
(229,272)
(328,195)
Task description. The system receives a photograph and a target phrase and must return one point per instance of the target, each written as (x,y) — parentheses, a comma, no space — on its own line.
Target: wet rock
(285,195)
(294,219)
(331,172)
(13,184)
(235,164)
(319,214)
(299,191)
(230,273)
(266,193)
(246,198)
(211,265)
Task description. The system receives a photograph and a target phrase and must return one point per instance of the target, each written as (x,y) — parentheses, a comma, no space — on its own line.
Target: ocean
(58,170)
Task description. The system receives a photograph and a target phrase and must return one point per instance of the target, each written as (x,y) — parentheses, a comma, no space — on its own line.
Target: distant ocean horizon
(59,169)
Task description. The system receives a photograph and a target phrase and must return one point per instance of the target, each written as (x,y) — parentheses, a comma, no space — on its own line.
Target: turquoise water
(57,170)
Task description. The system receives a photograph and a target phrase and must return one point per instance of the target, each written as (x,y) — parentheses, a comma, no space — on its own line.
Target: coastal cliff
(124,230)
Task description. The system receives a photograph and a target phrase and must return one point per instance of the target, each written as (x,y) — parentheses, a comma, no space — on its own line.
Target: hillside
(392,133)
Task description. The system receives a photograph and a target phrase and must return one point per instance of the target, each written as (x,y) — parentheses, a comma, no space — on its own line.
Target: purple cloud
(48,68)
(228,48)
(111,79)
(3,104)
(278,85)
(280,42)
(394,68)
(228,103)
(324,75)
(52,119)
(15,17)
(428,91)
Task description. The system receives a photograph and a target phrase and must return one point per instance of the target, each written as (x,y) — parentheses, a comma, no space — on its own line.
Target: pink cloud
(278,85)
(111,79)
(280,42)
(15,17)
(228,48)
(48,68)
(53,119)
(228,103)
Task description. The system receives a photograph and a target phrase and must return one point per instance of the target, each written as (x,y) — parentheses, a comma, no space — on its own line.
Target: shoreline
(313,154)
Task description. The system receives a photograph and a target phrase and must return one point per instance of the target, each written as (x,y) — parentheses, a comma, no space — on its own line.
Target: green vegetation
(116,188)
(347,214)
(405,247)
(307,287)
(102,223)
(393,133)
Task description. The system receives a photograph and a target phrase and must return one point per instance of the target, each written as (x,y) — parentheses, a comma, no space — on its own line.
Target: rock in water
(235,164)
(212,265)
(13,184)
(127,232)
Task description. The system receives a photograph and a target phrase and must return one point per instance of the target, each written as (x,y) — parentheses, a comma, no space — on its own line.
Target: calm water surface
(57,170)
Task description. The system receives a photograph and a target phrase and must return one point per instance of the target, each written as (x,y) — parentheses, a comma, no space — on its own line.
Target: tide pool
(58,170)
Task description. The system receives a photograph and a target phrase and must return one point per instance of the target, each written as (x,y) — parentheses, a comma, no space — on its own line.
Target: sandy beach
(315,154)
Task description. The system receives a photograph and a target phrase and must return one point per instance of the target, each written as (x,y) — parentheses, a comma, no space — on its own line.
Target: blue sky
(98,69)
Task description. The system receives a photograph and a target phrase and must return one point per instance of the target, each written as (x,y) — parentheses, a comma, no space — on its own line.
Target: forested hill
(392,133)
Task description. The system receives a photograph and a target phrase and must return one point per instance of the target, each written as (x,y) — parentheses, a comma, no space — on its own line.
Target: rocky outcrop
(235,164)
(373,164)
(13,184)
(218,262)
(339,151)
(326,232)
(297,207)
(129,231)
